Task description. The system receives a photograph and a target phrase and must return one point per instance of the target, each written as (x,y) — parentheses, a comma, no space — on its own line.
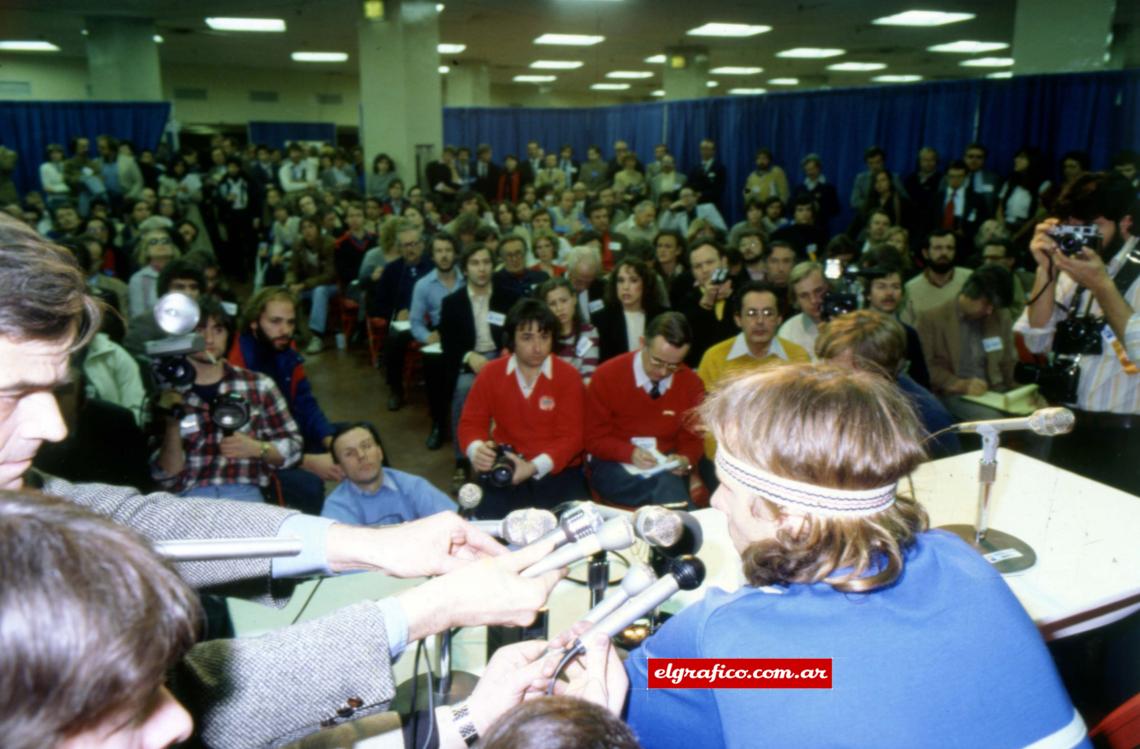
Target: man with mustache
(940,281)
(884,293)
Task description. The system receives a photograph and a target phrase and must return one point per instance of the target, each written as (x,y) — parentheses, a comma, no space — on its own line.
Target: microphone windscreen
(1051,421)
(524,527)
(658,526)
(470,495)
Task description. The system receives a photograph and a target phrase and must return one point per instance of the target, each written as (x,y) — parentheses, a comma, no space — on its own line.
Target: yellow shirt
(732,356)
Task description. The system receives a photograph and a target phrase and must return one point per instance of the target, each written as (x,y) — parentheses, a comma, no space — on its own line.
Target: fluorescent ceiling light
(610,86)
(658,92)
(728,29)
(1000,74)
(450,49)
(747,91)
(811,53)
(987,62)
(856,67)
(556,64)
(656,60)
(968,47)
(158,39)
(630,74)
(30,46)
(730,70)
(922,18)
(784,81)
(901,78)
(573,40)
(444,69)
(246,24)
(712,84)
(319,56)
(535,78)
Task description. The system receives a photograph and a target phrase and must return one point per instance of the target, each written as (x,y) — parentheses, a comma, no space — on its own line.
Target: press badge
(496,318)
(596,305)
(583,347)
(188,425)
(991,344)
(615,246)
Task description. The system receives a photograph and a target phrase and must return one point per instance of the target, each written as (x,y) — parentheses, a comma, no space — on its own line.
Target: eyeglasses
(157,241)
(767,313)
(411,245)
(667,366)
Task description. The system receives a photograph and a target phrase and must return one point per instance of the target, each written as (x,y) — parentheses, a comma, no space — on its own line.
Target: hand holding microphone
(614,535)
(520,527)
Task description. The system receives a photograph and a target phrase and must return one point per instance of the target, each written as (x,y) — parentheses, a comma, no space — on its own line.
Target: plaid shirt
(201,439)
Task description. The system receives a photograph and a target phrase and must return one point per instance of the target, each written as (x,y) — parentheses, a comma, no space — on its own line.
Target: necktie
(655,391)
(948,211)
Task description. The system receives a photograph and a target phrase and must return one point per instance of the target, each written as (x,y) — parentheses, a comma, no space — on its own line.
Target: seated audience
(546,253)
(155,250)
(514,276)
(312,276)
(778,263)
(528,407)
(804,233)
(425,315)
(685,210)
(631,301)
(641,226)
(839,563)
(968,341)
(940,280)
(883,292)
(204,453)
(639,398)
(391,299)
(584,270)
(808,287)
(707,305)
(612,245)
(371,494)
(576,342)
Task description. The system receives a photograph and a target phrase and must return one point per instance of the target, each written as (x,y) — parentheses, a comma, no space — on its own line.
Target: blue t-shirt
(945,657)
(401,497)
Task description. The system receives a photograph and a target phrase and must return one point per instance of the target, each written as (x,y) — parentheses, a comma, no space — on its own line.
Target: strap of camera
(1123,280)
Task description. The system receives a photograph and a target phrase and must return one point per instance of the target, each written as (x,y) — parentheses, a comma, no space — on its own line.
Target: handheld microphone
(685,573)
(672,532)
(614,535)
(470,495)
(576,523)
(1044,421)
(520,527)
(637,578)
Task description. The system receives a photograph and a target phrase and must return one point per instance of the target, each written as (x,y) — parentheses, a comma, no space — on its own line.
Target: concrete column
(1052,37)
(686,73)
(122,59)
(401,102)
(468,85)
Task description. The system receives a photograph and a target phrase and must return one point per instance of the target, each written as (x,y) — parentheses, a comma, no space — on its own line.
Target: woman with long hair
(577,341)
(631,301)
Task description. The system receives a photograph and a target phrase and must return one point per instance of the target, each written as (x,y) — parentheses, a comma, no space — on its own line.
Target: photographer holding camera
(229,430)
(1083,309)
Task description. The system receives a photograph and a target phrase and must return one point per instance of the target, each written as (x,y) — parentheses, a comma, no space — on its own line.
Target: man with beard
(940,281)
(1103,286)
(884,293)
(266,346)
(427,304)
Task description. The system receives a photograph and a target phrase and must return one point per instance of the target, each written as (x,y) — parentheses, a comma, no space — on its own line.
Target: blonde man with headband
(928,646)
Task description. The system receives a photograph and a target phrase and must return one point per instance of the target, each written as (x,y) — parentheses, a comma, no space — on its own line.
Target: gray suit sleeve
(162,517)
(273,689)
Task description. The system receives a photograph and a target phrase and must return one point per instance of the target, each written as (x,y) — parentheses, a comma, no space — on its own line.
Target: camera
(502,471)
(1070,239)
(177,315)
(719,276)
(844,294)
(229,412)
(1057,382)
(1078,335)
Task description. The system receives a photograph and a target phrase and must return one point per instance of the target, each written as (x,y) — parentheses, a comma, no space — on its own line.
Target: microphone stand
(1006,552)
(598,577)
(205,549)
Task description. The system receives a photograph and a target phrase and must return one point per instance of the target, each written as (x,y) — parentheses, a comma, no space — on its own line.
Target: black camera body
(719,276)
(1057,382)
(1070,239)
(177,316)
(502,471)
(1076,336)
(843,296)
(230,412)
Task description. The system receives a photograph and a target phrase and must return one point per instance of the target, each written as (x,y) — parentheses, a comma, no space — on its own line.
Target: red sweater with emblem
(618,410)
(549,421)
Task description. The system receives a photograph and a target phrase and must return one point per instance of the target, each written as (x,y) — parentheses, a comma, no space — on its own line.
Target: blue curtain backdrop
(280,134)
(27,127)
(1097,112)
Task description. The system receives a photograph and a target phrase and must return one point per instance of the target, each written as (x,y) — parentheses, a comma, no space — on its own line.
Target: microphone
(685,573)
(637,578)
(672,532)
(1045,421)
(576,523)
(614,535)
(470,495)
(520,527)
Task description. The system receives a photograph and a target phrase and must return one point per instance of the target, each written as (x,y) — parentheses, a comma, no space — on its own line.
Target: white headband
(818,500)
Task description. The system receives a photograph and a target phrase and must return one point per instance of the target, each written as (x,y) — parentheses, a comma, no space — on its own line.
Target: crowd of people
(573,320)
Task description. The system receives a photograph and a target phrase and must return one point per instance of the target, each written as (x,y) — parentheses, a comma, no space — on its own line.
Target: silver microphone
(1044,421)
(685,573)
(637,578)
(576,523)
(657,525)
(614,535)
(520,527)
(469,497)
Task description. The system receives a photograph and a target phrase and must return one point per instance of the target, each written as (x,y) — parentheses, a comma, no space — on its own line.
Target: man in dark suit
(584,269)
(471,331)
(958,208)
(568,164)
(486,173)
(924,185)
(822,192)
(708,177)
(708,305)
(532,163)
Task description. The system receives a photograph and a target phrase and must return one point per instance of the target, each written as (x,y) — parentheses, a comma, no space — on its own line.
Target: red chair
(1121,728)
(377,329)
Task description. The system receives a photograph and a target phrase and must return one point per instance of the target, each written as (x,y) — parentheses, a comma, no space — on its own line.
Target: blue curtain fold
(27,127)
(1096,112)
(281,134)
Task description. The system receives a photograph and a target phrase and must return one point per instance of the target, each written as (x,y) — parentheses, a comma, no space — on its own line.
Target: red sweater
(618,410)
(549,421)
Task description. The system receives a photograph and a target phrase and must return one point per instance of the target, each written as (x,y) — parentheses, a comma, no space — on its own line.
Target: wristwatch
(460,715)
(264,450)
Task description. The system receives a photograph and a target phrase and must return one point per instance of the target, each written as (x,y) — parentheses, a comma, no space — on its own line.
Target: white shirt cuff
(396,623)
(543,464)
(313,559)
